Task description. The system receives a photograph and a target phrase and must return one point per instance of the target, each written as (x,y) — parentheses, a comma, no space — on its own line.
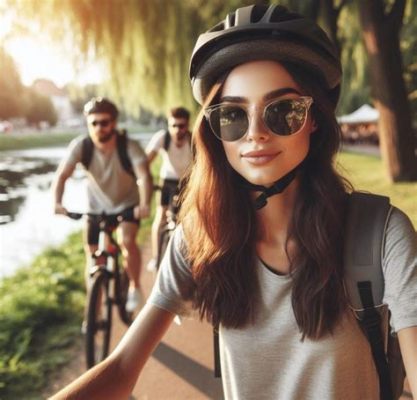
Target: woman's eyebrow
(234,99)
(281,92)
(268,96)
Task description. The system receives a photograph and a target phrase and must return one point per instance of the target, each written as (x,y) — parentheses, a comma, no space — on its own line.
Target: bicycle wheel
(98,320)
(162,245)
(123,287)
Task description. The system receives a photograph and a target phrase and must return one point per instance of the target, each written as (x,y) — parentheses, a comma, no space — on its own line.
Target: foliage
(11,88)
(40,313)
(146,44)
(16,100)
(40,109)
(409,51)
(367,174)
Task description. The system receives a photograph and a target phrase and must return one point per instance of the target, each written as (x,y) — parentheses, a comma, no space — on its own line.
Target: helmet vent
(229,21)
(268,14)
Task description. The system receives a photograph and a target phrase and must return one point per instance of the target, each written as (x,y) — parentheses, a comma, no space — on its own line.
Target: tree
(39,109)
(11,88)
(381,33)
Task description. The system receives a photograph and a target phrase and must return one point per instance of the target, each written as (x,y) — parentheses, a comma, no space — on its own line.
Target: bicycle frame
(108,286)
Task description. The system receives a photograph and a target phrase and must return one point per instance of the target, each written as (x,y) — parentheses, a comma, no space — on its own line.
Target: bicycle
(108,286)
(167,229)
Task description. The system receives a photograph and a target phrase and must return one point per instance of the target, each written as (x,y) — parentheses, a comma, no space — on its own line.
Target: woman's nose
(256,128)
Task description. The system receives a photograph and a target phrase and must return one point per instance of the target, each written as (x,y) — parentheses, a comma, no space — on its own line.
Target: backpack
(367,217)
(364,283)
(167,140)
(121,145)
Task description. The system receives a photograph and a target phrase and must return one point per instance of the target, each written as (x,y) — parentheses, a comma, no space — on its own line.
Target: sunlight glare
(37,59)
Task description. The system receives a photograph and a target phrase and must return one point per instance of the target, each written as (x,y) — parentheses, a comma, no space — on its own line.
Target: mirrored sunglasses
(283,117)
(104,123)
(179,126)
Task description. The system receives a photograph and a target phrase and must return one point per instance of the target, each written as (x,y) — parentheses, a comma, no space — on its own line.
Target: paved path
(182,365)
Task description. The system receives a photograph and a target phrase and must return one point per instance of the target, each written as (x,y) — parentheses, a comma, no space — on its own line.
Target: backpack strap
(167,140)
(216,348)
(367,218)
(87,148)
(121,144)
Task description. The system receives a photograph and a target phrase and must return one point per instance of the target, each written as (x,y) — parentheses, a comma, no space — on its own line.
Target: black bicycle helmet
(261,32)
(101,105)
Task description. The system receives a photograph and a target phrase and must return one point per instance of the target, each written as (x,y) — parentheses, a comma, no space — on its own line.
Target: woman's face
(261,156)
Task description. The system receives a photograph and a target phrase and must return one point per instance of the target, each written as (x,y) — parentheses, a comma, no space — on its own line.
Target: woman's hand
(115,377)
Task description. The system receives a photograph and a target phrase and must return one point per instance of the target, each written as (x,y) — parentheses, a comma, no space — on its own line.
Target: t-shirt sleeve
(400,270)
(73,152)
(135,152)
(174,286)
(156,143)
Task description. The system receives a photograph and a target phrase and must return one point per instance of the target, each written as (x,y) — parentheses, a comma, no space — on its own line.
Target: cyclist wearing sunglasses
(259,249)
(174,146)
(111,188)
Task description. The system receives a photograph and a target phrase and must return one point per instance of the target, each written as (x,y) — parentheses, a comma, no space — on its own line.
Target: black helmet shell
(101,105)
(260,32)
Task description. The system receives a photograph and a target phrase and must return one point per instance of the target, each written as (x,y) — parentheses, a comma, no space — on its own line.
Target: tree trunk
(381,37)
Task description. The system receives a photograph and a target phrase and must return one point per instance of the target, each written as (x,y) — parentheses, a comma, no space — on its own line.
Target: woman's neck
(275,217)
(273,245)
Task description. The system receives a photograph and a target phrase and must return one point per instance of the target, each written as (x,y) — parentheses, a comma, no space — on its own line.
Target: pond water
(27,222)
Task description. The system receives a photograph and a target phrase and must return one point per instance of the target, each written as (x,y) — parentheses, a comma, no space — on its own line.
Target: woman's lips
(259,157)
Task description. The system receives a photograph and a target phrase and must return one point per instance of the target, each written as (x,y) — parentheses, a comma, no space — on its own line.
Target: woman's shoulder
(400,225)
(400,238)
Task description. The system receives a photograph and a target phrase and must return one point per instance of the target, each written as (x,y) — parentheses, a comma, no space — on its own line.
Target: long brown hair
(220,227)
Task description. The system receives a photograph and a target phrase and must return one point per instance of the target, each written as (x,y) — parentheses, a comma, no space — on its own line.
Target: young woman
(259,250)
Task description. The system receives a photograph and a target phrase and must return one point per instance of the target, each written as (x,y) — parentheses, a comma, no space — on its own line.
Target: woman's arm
(407,338)
(115,377)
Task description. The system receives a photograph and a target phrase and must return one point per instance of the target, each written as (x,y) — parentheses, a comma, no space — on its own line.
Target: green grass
(367,173)
(18,142)
(40,315)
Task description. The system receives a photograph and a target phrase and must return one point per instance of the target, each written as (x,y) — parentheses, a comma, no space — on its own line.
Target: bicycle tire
(162,245)
(99,317)
(125,316)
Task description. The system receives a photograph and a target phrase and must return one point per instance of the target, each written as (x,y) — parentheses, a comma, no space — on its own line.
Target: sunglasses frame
(179,126)
(103,123)
(307,101)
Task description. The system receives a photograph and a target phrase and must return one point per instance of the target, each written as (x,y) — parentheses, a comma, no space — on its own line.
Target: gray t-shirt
(268,360)
(110,188)
(175,160)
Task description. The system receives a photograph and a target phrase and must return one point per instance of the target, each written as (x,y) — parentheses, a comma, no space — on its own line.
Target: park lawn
(367,173)
(28,141)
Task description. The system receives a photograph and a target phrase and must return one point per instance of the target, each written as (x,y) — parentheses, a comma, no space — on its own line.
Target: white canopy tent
(363,115)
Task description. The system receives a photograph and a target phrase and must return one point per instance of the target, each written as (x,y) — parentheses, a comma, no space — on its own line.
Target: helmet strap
(278,187)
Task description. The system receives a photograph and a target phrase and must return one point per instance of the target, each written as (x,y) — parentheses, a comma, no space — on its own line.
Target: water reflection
(27,222)
(14,171)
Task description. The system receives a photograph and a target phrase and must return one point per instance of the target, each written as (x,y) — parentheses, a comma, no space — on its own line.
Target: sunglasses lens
(285,117)
(104,123)
(228,123)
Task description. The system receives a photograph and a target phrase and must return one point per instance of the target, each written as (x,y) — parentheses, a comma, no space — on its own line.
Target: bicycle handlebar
(126,215)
